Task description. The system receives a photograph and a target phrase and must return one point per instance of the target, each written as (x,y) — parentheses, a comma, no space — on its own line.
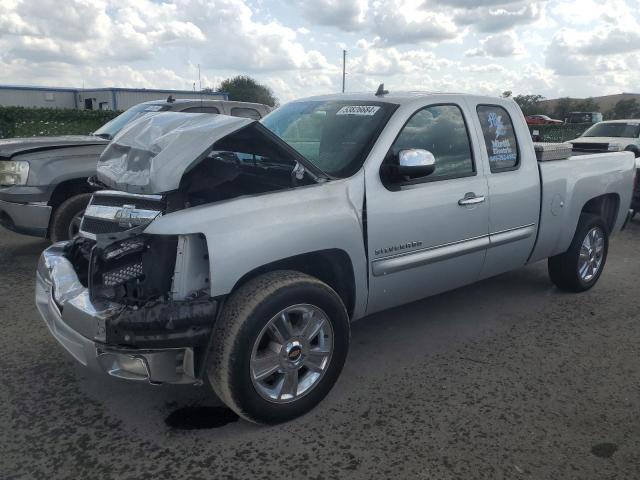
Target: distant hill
(606,102)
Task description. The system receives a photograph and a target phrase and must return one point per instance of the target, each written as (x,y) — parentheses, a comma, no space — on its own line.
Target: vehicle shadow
(380,343)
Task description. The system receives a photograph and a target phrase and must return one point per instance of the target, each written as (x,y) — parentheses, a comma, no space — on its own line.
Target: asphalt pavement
(505,379)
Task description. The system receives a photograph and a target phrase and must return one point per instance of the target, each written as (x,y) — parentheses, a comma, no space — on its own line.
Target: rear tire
(65,223)
(580,267)
(270,370)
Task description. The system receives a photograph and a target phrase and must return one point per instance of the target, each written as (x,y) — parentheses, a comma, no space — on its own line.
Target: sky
(555,48)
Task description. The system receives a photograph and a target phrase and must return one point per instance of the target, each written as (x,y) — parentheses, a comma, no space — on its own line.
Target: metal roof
(37,88)
(397,97)
(104,89)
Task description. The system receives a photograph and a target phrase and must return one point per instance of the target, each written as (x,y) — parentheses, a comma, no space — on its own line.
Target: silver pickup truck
(237,252)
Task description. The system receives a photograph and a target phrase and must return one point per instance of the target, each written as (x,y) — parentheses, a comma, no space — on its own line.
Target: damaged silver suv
(236,252)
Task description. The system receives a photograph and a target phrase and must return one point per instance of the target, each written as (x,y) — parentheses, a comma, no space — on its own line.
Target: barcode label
(366,110)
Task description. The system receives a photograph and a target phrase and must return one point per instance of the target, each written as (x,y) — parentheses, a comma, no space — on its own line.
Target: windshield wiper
(106,136)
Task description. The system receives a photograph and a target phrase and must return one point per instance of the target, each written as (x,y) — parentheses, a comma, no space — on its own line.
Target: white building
(91,98)
(43,97)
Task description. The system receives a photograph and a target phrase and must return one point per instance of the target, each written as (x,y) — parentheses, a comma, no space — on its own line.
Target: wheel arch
(332,266)
(633,148)
(67,189)
(605,206)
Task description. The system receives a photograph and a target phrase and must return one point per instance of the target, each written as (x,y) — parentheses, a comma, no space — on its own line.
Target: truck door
(426,235)
(514,184)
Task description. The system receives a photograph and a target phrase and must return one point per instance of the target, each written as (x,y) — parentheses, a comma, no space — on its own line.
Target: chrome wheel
(292,353)
(591,254)
(74,225)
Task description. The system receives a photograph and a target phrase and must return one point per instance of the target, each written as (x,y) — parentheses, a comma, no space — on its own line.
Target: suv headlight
(615,147)
(13,172)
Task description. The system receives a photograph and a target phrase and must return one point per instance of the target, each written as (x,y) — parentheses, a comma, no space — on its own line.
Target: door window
(499,138)
(440,129)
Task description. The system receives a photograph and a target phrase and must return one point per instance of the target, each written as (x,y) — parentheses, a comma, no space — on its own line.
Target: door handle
(471,199)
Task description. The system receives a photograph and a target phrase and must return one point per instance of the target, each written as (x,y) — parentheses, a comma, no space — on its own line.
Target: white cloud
(576,53)
(348,15)
(554,47)
(612,42)
(492,20)
(383,62)
(398,22)
(500,45)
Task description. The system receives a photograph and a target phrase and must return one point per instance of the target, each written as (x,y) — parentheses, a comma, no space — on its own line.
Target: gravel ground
(508,378)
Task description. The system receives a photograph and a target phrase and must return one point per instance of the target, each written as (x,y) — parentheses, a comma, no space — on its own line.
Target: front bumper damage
(100,334)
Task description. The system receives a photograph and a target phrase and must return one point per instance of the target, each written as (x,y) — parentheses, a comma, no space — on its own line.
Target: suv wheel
(279,346)
(65,223)
(580,267)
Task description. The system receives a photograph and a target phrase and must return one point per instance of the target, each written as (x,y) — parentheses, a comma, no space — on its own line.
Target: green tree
(586,105)
(529,104)
(507,94)
(626,109)
(563,107)
(245,89)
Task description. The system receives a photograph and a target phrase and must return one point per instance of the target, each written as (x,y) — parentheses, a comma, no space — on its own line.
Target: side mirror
(415,163)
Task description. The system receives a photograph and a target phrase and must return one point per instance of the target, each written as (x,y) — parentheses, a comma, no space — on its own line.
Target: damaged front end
(133,305)
(138,305)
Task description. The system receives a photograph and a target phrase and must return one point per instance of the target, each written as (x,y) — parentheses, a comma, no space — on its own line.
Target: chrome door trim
(512,235)
(397,263)
(418,258)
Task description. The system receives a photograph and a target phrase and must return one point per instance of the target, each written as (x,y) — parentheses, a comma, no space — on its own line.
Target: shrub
(35,122)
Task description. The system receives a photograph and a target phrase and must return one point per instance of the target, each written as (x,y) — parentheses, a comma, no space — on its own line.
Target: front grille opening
(98,227)
(123,274)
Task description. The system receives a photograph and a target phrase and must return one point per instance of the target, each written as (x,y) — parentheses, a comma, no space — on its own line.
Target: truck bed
(568,184)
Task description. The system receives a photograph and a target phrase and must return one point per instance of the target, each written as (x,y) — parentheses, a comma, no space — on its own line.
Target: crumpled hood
(17,146)
(150,155)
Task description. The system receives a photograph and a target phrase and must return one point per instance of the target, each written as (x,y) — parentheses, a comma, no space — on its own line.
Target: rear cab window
(499,138)
(211,110)
(246,113)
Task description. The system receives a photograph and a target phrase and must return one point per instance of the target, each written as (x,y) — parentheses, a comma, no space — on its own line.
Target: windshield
(626,130)
(335,136)
(584,117)
(109,129)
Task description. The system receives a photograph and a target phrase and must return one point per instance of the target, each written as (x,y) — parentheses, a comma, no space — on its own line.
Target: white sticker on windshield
(153,108)
(366,110)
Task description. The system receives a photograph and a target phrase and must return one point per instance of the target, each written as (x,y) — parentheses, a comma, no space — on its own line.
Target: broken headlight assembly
(133,270)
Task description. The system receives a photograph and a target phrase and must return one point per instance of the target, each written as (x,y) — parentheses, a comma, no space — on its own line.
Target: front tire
(65,223)
(279,346)
(580,267)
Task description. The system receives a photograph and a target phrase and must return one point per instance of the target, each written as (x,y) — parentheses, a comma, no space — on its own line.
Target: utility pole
(200,84)
(344,66)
